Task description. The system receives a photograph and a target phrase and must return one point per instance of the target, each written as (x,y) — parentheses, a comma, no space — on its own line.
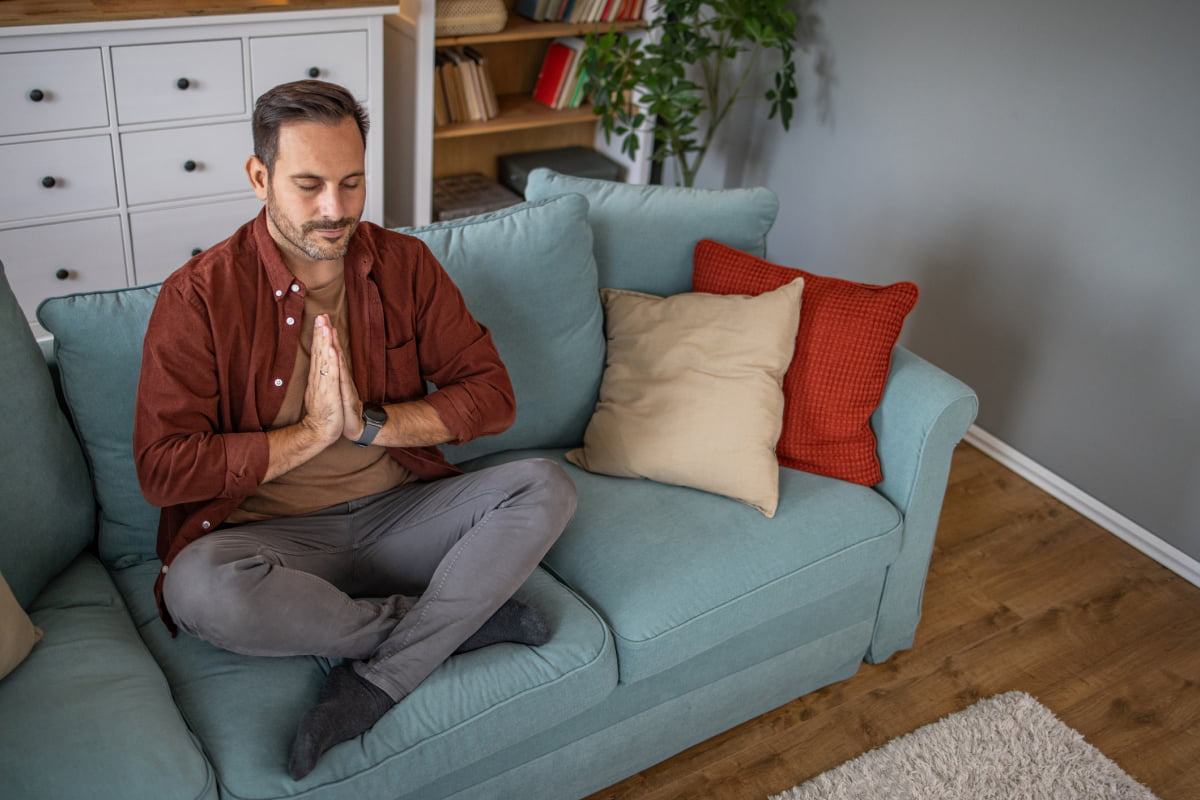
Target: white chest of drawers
(123,144)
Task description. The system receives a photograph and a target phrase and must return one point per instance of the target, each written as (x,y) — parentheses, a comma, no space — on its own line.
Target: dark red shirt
(221,344)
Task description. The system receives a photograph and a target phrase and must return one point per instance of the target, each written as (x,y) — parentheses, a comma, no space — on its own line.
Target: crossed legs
(395,582)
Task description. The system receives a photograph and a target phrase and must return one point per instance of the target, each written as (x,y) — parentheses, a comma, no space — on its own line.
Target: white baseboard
(1124,528)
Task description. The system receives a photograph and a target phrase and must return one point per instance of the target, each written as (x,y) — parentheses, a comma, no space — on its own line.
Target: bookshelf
(425,151)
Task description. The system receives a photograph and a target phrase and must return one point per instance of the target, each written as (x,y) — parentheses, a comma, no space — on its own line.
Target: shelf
(517,112)
(520,29)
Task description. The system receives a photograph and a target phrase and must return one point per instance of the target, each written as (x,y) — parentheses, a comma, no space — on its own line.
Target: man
(284,426)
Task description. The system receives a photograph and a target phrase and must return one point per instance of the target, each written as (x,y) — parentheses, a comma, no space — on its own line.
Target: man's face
(316,193)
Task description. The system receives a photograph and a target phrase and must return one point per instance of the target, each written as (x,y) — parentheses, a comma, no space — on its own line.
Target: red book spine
(558,56)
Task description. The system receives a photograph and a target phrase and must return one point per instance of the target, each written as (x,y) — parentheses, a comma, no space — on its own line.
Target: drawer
(339,58)
(183,163)
(58,176)
(182,80)
(61,258)
(164,239)
(52,90)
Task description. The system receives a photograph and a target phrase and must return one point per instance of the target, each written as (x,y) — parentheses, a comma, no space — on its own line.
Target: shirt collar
(358,258)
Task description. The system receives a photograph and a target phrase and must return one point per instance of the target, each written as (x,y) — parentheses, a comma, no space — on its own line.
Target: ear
(256,170)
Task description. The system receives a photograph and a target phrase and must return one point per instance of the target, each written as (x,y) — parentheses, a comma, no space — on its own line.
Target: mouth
(329,229)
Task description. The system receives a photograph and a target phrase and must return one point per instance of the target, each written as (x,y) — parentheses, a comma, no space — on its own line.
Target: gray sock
(514,622)
(347,706)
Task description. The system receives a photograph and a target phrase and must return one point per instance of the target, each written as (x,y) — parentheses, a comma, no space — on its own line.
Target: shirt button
(279,292)
(164,569)
(295,287)
(291,320)
(279,381)
(206,524)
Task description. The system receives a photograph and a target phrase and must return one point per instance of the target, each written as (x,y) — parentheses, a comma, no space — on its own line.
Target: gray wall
(1035,167)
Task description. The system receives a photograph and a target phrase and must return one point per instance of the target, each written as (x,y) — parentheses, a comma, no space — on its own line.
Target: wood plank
(60,12)
(1023,594)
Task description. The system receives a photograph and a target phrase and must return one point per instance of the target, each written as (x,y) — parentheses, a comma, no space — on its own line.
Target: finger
(323,361)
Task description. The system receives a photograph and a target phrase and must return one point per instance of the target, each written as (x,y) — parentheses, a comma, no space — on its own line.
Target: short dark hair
(301,101)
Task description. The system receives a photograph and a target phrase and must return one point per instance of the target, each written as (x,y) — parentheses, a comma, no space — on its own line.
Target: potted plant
(696,61)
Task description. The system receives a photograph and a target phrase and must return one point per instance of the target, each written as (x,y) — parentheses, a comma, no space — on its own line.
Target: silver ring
(323,372)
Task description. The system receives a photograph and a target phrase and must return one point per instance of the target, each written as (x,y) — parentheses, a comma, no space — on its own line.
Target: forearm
(412,424)
(291,446)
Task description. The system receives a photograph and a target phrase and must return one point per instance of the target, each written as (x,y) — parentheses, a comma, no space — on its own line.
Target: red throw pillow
(843,355)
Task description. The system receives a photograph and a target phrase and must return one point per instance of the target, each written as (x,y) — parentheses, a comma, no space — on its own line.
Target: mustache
(327,224)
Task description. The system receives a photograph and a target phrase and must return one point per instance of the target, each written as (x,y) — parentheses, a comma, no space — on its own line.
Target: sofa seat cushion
(245,709)
(90,708)
(676,571)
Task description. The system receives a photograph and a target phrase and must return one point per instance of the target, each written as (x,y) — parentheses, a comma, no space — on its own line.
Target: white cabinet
(124,144)
(181,80)
(56,176)
(176,164)
(333,57)
(59,258)
(52,90)
(164,239)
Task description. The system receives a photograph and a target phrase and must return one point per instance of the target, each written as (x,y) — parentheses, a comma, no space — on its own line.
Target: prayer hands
(332,404)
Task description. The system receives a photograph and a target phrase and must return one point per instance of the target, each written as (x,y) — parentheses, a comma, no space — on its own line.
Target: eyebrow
(308,176)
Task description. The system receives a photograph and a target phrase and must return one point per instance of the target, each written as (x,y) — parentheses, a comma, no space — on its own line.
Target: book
(463,78)
(553,69)
(441,109)
(491,106)
(570,79)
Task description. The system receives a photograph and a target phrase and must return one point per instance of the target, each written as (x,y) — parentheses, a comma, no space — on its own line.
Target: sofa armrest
(924,414)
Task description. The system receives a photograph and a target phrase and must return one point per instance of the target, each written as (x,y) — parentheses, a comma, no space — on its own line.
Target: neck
(316,274)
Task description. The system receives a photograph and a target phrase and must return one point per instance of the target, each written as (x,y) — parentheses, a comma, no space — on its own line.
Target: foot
(514,622)
(348,706)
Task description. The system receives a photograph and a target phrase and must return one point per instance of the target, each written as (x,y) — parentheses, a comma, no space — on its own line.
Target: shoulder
(226,267)
(386,242)
(220,276)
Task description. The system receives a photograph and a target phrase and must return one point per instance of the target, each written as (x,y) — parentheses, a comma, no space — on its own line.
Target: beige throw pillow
(692,391)
(17,633)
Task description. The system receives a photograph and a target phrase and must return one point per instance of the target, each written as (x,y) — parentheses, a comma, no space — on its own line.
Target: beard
(302,236)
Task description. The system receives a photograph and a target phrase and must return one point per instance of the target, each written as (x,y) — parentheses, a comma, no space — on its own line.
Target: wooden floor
(1023,594)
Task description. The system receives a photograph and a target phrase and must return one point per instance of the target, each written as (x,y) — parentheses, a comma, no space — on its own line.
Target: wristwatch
(374,418)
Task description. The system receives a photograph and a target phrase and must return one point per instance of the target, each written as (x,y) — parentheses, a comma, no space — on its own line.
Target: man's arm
(474,395)
(180,452)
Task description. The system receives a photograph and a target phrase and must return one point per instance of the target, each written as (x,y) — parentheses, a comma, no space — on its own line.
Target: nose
(329,204)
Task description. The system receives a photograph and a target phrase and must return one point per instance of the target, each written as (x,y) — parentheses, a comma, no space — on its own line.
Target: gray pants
(396,581)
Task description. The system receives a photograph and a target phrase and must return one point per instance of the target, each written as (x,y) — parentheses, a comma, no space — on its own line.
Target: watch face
(375,414)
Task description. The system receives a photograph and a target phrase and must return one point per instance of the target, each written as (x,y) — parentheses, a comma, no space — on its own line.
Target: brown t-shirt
(343,471)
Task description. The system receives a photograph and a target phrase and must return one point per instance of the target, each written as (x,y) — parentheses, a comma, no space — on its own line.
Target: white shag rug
(1007,747)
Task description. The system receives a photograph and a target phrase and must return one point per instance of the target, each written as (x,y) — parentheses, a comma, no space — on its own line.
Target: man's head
(301,101)
(309,168)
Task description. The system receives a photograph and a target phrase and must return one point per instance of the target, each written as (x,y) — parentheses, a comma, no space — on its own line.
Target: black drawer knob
(314,72)
(189,166)
(197,251)
(183,83)
(37,95)
(62,274)
(49,182)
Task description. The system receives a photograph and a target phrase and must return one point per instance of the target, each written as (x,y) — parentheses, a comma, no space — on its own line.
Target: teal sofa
(676,614)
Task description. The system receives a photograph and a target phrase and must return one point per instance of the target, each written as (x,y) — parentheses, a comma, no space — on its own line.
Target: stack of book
(560,79)
(463,89)
(580,10)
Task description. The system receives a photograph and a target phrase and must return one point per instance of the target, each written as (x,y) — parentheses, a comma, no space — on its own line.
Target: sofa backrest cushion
(528,274)
(98,349)
(47,511)
(645,235)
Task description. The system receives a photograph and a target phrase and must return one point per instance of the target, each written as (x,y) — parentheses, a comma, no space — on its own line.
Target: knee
(548,485)
(201,589)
